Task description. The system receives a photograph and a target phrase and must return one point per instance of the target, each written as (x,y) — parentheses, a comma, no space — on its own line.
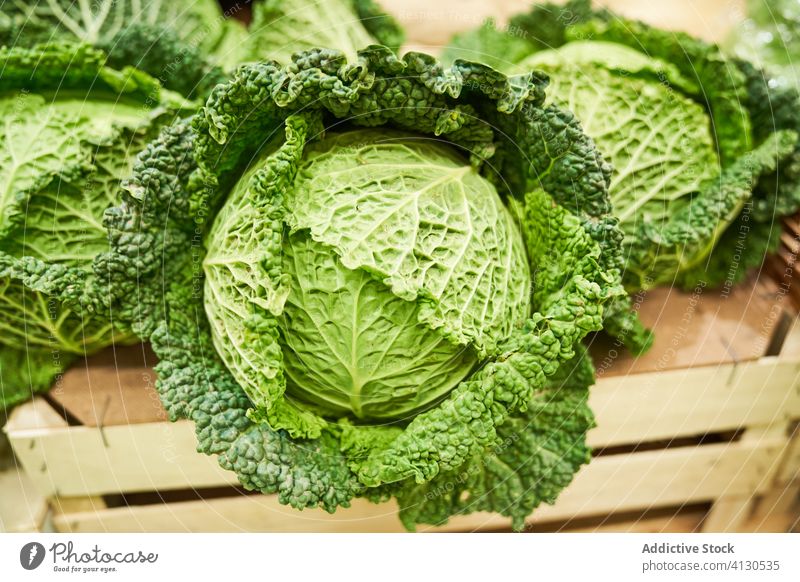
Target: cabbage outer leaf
(568,297)
(537,455)
(195,23)
(27,372)
(183,44)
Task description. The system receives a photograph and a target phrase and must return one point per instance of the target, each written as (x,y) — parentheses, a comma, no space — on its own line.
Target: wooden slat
(789,471)
(732,510)
(791,242)
(609,484)
(77,504)
(791,345)
(642,407)
(77,461)
(728,514)
(36,415)
(777,510)
(682,521)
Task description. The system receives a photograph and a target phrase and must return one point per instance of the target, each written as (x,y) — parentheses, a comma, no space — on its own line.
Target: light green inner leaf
(658,140)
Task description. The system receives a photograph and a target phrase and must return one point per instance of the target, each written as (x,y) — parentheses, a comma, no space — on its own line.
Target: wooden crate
(698,434)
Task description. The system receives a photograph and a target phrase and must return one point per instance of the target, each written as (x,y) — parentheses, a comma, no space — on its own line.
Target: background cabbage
(183,44)
(190,45)
(704,148)
(72,129)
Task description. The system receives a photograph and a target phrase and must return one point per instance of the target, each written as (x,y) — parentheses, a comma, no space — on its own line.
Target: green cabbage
(403,270)
(705,150)
(72,129)
(370,278)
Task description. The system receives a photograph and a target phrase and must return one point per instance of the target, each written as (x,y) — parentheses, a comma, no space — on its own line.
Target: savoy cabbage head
(401,270)
(704,149)
(72,127)
(370,278)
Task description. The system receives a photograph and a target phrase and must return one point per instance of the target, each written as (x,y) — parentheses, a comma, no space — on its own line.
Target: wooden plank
(36,414)
(680,522)
(728,514)
(780,513)
(22,508)
(789,472)
(791,346)
(610,484)
(731,510)
(66,505)
(39,417)
(641,407)
(139,457)
(777,510)
(791,241)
